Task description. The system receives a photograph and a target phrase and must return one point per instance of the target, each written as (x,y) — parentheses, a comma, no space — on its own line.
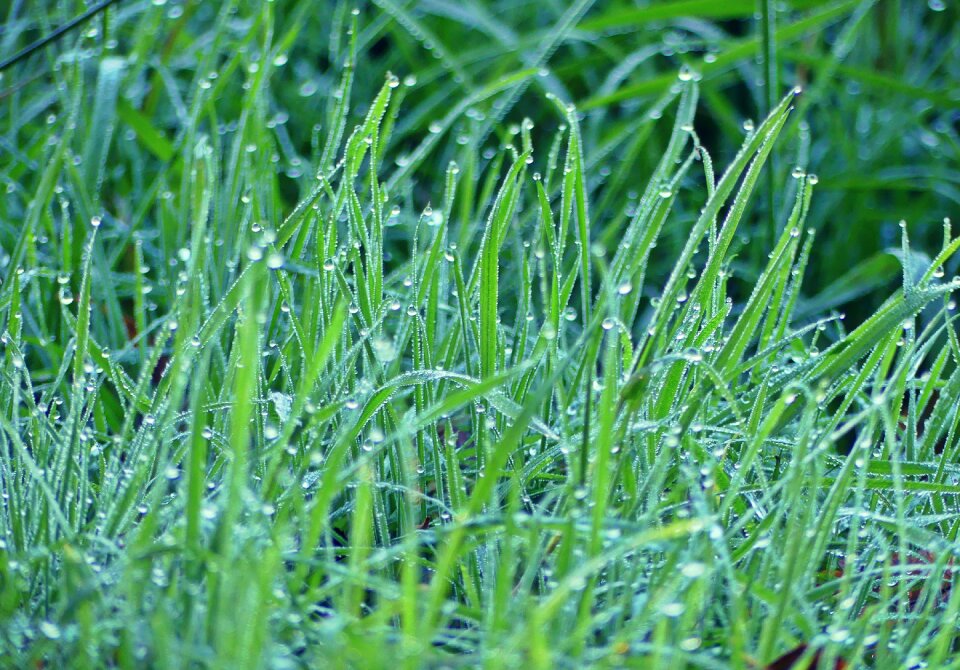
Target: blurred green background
(878,122)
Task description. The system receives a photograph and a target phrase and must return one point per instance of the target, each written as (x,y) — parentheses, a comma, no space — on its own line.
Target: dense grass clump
(478,334)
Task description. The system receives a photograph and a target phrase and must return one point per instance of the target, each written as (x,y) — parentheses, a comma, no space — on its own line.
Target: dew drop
(384,349)
(50,630)
(672,610)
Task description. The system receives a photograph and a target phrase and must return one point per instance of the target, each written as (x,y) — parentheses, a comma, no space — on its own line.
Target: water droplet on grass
(384,349)
(672,610)
(50,630)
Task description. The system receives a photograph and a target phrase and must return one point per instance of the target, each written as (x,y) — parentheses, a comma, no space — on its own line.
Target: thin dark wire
(46,39)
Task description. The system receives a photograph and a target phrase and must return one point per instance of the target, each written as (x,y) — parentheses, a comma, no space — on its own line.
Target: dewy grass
(447,391)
